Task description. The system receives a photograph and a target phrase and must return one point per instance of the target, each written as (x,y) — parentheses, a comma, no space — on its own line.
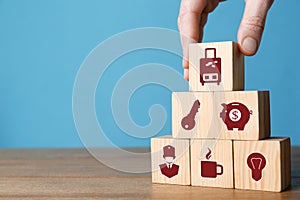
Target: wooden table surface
(75,174)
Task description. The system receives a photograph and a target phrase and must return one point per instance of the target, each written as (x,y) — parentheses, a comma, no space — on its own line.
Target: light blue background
(44,42)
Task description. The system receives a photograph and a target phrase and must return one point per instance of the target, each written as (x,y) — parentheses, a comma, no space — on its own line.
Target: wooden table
(75,174)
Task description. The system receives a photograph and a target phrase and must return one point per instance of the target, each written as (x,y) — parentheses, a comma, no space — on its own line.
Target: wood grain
(221,154)
(75,174)
(276,175)
(258,126)
(205,126)
(210,125)
(182,159)
(232,66)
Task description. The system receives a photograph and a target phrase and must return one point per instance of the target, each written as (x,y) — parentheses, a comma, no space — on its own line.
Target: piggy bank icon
(235,115)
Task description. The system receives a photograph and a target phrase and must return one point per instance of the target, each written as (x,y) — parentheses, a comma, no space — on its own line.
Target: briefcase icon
(210,68)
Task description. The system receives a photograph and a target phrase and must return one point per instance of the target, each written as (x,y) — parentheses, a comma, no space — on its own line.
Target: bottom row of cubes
(256,165)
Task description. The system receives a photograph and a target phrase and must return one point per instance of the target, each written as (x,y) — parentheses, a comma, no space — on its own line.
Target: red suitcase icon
(210,68)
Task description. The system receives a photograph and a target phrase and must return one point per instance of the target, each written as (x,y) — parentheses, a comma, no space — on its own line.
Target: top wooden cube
(216,66)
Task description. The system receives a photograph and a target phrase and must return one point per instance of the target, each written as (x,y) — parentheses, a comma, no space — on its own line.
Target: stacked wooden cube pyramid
(220,133)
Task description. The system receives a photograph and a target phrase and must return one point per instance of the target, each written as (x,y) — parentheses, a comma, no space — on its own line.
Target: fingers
(188,24)
(185,64)
(252,25)
(191,20)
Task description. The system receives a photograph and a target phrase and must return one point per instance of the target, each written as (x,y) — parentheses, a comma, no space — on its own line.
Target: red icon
(169,169)
(188,122)
(210,68)
(235,115)
(256,162)
(209,169)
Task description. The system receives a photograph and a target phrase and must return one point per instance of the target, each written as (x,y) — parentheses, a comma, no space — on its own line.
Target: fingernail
(249,45)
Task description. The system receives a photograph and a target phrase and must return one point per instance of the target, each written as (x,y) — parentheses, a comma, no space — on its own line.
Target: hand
(193,16)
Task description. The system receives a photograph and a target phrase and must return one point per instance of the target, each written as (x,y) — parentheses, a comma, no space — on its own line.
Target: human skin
(193,16)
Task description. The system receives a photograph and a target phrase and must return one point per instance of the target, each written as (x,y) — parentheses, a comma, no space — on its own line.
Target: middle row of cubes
(235,115)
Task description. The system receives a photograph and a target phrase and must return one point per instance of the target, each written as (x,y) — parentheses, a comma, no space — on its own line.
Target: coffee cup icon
(210,169)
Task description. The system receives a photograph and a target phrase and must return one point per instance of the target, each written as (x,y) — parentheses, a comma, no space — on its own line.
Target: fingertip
(249,46)
(252,25)
(185,64)
(186,74)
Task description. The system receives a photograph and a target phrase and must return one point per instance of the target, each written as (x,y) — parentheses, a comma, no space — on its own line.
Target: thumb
(252,25)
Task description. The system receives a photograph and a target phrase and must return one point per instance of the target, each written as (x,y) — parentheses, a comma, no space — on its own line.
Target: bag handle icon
(210,49)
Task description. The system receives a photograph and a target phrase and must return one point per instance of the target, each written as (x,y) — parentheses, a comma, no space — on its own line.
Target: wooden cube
(243,115)
(262,165)
(189,122)
(216,66)
(170,160)
(212,163)
(238,115)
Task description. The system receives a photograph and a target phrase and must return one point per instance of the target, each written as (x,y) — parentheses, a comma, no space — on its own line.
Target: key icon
(188,122)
